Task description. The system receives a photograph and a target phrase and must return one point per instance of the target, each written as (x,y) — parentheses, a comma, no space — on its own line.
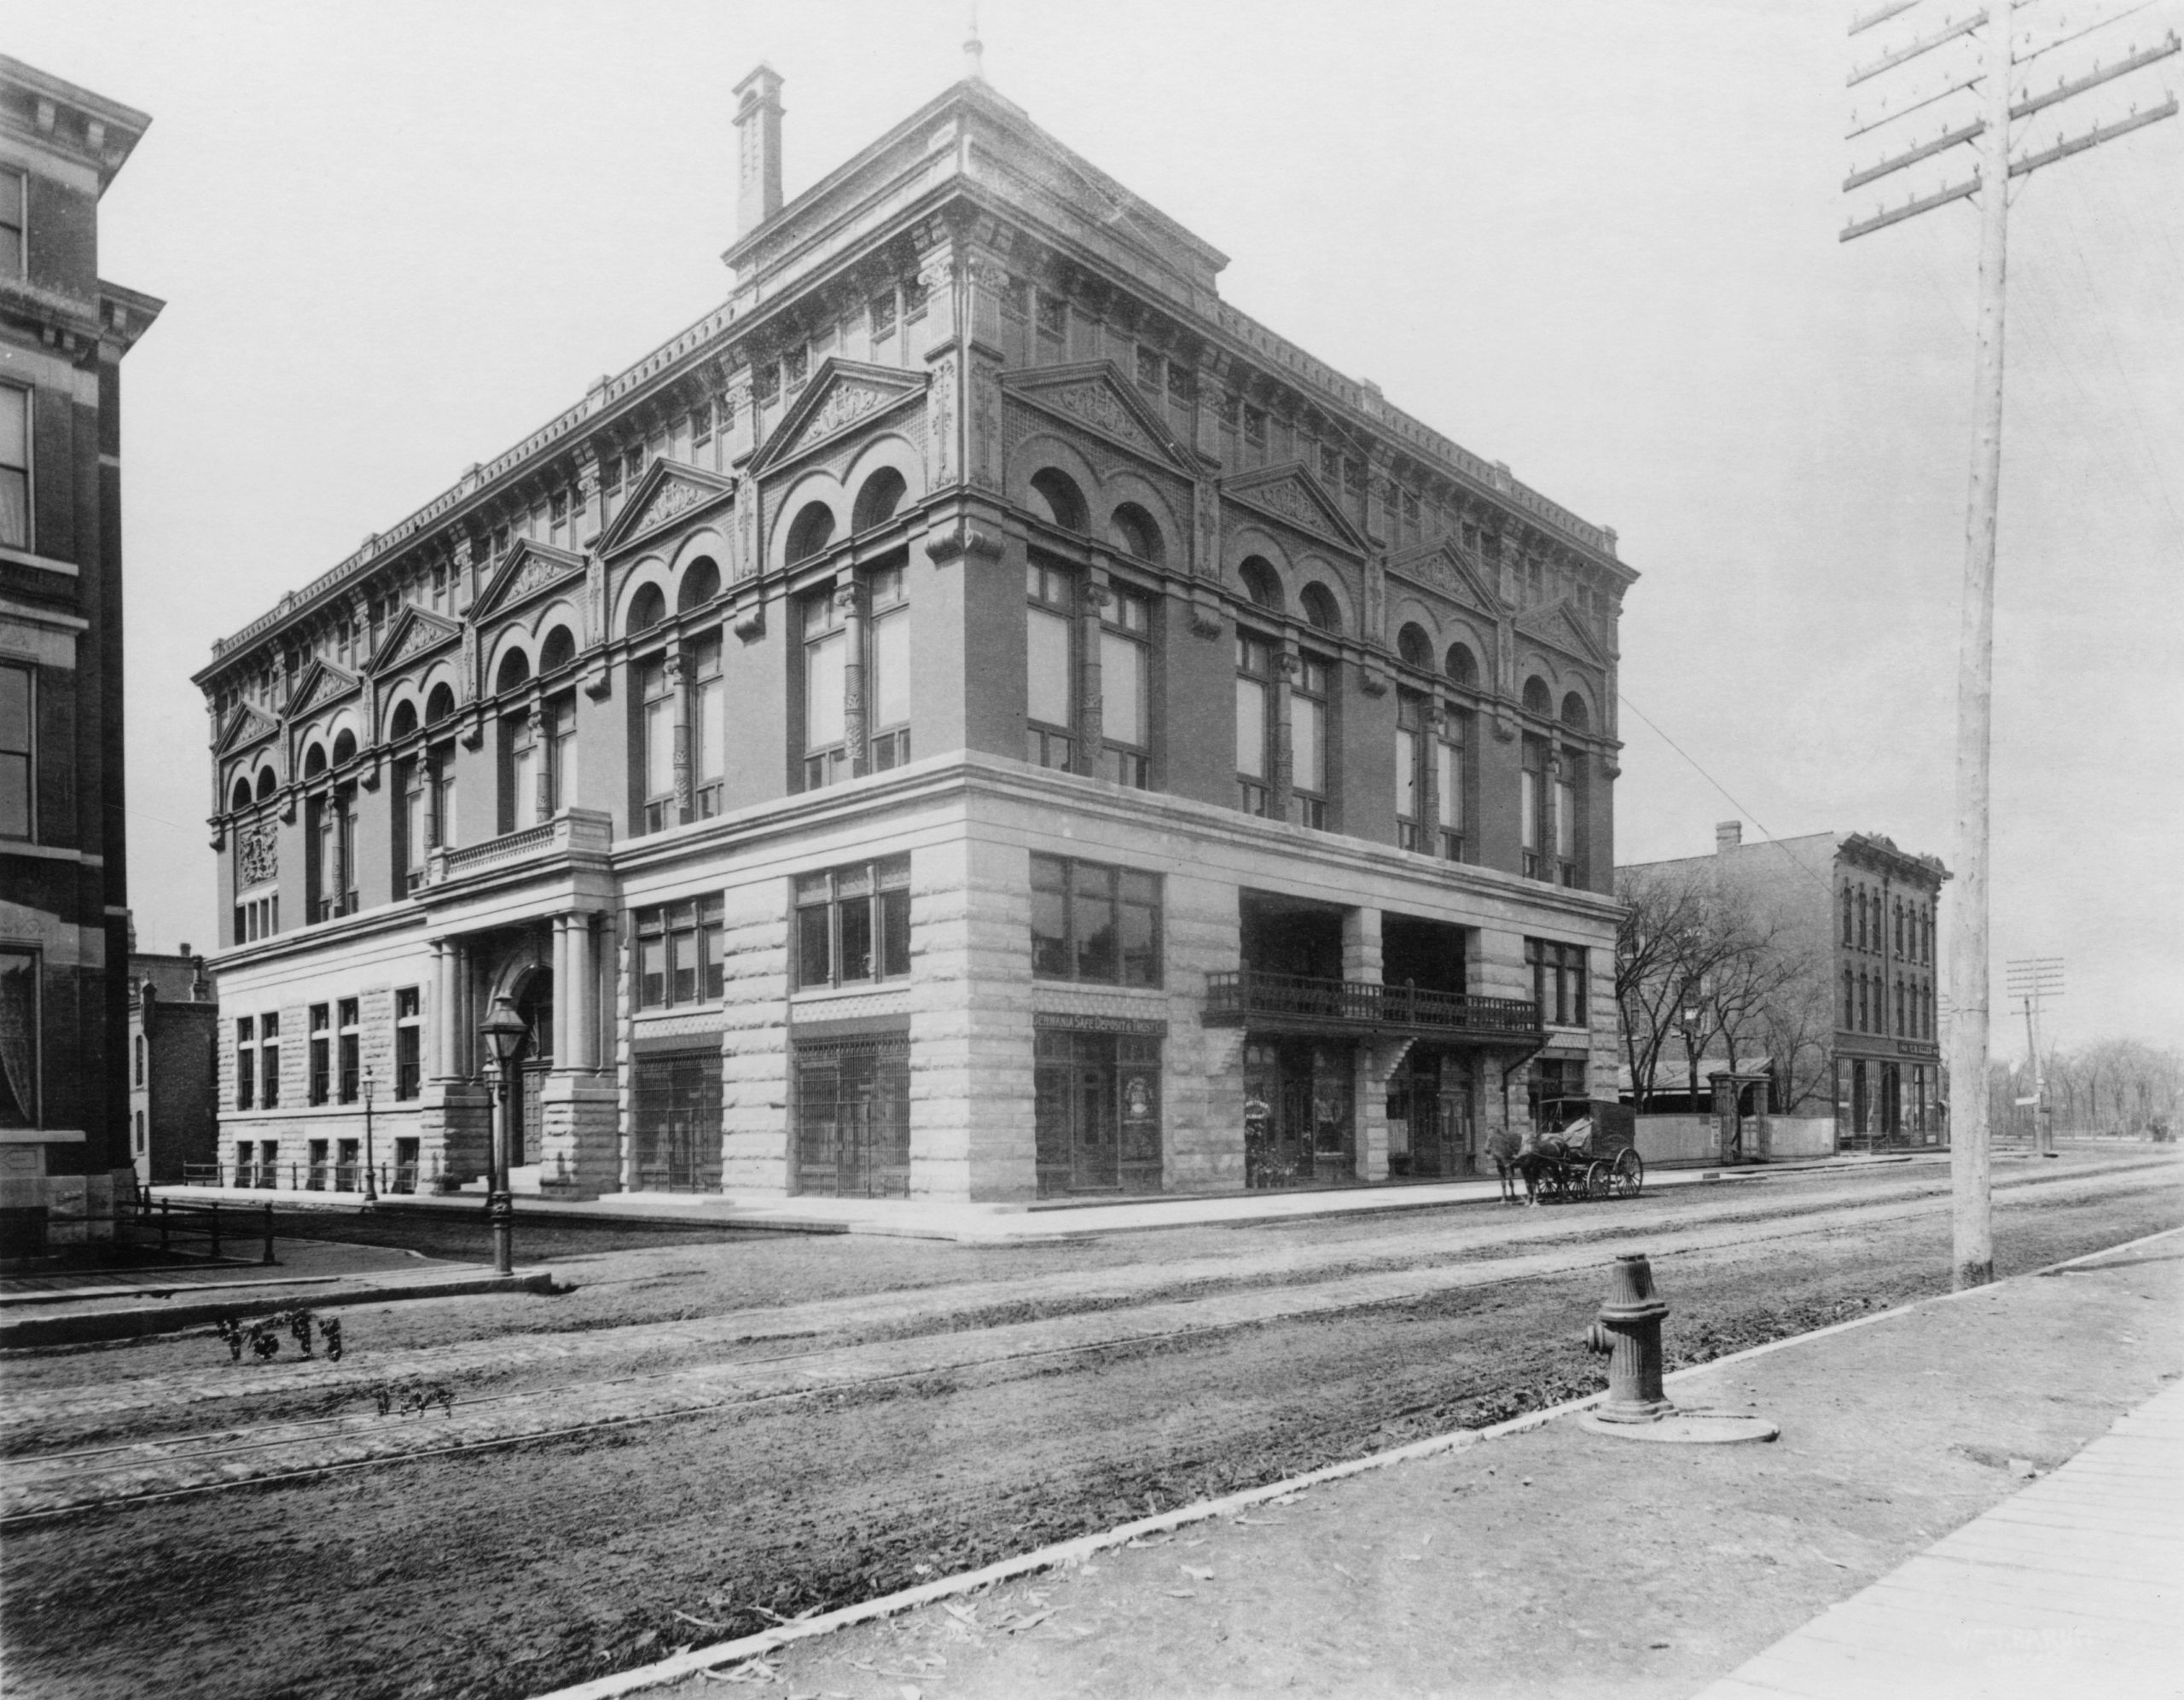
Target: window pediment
(1291,497)
(1092,396)
(668,493)
(842,395)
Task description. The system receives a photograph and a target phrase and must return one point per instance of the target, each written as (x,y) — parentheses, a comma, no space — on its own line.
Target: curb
(1075,1551)
(88,1327)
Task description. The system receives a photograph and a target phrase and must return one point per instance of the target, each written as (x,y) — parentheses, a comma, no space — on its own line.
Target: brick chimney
(1727,835)
(758,169)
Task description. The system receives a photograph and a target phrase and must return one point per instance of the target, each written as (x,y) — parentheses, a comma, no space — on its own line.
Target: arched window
(267,785)
(404,721)
(439,704)
(1134,533)
(1260,583)
(1846,919)
(1538,700)
(558,650)
(1574,715)
(700,585)
(515,669)
(1059,495)
(813,530)
(648,608)
(315,761)
(240,800)
(1413,645)
(1461,664)
(1320,609)
(344,746)
(876,503)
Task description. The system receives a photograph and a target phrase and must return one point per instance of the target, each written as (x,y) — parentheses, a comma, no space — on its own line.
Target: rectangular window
(701,425)
(1049,667)
(1410,780)
(246,1062)
(18,1038)
(558,725)
(1452,775)
(708,727)
(881,308)
(1308,742)
(11,225)
(826,676)
(1126,689)
(1053,314)
(519,773)
(557,525)
(268,1061)
(409,1043)
(351,1057)
(681,956)
(17,746)
(1148,368)
(1092,922)
(15,459)
(1558,981)
(322,1053)
(1254,710)
(1565,822)
(656,727)
(887,670)
(676,1122)
(853,924)
(441,766)
(413,824)
(333,865)
(1254,427)
(1532,808)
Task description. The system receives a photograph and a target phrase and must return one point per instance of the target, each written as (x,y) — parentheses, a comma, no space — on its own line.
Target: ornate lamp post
(504,1033)
(371,1185)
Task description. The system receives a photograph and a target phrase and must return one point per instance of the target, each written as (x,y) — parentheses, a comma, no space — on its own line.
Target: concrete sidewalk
(1545,1560)
(971,1223)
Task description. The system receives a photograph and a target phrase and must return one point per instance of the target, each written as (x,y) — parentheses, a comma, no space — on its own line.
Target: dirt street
(522,1567)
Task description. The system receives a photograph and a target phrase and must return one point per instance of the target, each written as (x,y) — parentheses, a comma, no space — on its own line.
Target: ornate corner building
(973,716)
(64,919)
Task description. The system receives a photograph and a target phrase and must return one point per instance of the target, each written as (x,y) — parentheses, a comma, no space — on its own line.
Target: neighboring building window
(1558,981)
(1307,741)
(409,1043)
(139,1131)
(246,1062)
(825,674)
(1254,724)
(1126,689)
(268,1061)
(322,1053)
(18,747)
(1864,1004)
(1452,775)
(853,924)
(1847,936)
(557,726)
(1899,1013)
(351,1075)
(887,669)
(15,457)
(1411,784)
(708,727)
(1049,669)
(1093,922)
(1532,803)
(1898,917)
(656,712)
(140,1059)
(680,952)
(11,225)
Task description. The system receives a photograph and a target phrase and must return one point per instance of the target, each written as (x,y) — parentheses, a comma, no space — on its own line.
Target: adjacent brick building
(174,1051)
(64,919)
(975,716)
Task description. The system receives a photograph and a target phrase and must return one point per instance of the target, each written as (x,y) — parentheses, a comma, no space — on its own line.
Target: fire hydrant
(1628,1334)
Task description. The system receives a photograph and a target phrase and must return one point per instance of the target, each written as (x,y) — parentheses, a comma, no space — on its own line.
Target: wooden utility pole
(1993,78)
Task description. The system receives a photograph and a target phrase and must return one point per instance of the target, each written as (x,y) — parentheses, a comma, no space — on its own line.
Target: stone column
(849,602)
(1432,720)
(443,1029)
(1287,664)
(1091,732)
(680,696)
(1360,960)
(560,1037)
(542,782)
(583,994)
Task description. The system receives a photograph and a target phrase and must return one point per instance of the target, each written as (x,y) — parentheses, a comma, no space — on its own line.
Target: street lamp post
(504,1033)
(371,1188)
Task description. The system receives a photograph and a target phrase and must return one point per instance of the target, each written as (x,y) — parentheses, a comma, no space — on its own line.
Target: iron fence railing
(1252,994)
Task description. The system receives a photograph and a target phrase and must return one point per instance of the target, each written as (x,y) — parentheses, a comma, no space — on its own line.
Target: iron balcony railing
(1298,1000)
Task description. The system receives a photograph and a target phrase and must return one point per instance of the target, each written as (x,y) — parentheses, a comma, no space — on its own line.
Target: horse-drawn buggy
(1594,1156)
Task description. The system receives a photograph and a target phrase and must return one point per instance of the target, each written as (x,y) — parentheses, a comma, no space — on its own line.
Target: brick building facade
(973,716)
(174,1062)
(64,919)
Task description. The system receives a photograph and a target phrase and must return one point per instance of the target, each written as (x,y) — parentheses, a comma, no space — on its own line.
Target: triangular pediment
(322,683)
(1559,628)
(416,631)
(1094,395)
(531,570)
(246,726)
(842,394)
(1289,494)
(669,491)
(1443,566)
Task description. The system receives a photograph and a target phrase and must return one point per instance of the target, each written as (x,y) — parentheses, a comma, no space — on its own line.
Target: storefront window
(1093,922)
(1097,1111)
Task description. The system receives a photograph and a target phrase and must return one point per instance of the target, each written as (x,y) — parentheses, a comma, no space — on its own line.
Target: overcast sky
(1596,241)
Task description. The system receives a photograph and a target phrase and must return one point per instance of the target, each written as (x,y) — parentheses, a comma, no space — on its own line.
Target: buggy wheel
(1629,1175)
(1597,1179)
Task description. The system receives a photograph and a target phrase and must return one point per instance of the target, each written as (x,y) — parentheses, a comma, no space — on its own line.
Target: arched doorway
(534,1003)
